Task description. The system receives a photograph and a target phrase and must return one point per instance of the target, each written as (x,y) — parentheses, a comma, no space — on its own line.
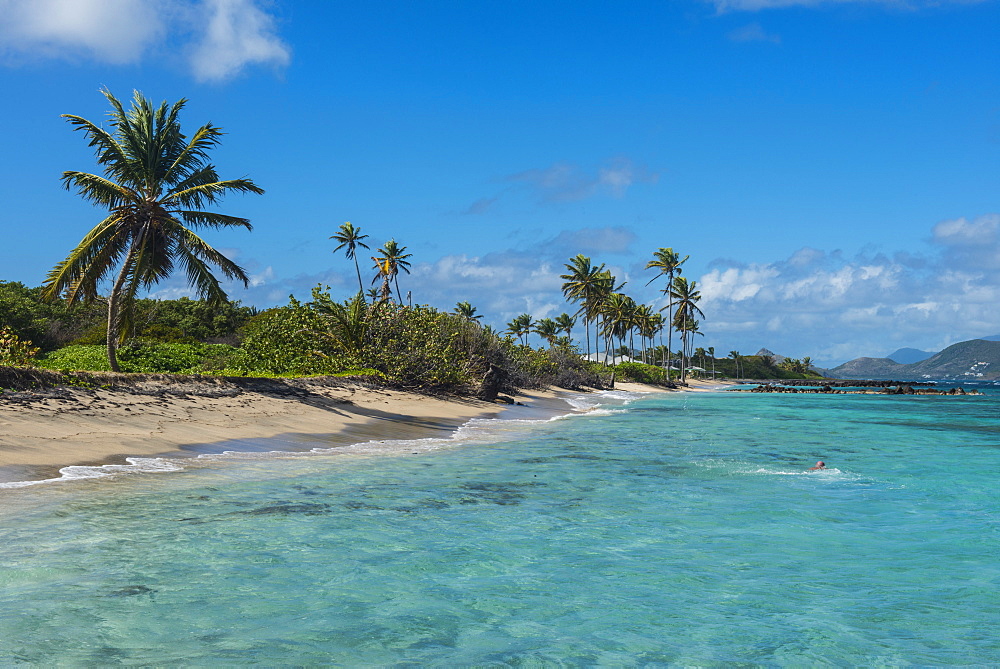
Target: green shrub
(286,341)
(640,373)
(14,351)
(150,358)
(89,357)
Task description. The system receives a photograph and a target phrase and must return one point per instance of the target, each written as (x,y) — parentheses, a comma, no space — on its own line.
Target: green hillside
(973,360)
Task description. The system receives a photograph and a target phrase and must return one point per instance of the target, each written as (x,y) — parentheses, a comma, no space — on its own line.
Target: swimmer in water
(819,465)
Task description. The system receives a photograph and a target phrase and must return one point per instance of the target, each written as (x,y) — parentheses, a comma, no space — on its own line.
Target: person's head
(821,464)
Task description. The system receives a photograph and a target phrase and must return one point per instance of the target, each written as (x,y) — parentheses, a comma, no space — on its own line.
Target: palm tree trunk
(114,311)
(670,331)
(683,355)
(361,286)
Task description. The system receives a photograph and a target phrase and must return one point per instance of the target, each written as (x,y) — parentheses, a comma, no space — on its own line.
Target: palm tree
(735,355)
(384,272)
(350,239)
(582,284)
(645,325)
(711,354)
(605,286)
(390,260)
(686,296)
(618,311)
(156,187)
(687,328)
(347,323)
(565,322)
(655,325)
(466,311)
(548,330)
(668,263)
(520,327)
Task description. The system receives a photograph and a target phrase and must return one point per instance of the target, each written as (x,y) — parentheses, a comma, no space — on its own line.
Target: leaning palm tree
(349,238)
(668,263)
(156,186)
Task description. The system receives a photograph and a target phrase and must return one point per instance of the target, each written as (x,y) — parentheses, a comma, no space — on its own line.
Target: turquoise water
(673,530)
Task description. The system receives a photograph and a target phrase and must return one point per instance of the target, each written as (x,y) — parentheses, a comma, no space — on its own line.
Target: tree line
(157,187)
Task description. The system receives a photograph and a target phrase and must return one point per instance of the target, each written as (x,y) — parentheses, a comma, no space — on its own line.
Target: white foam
(477,430)
(78,472)
(626,396)
(830,471)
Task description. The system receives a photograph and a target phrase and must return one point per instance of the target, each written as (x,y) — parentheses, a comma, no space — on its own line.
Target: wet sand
(41,432)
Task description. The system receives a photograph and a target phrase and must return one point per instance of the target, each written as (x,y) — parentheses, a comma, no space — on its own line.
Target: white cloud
(563,182)
(827,305)
(112,31)
(238,34)
(834,308)
(962,232)
(222,37)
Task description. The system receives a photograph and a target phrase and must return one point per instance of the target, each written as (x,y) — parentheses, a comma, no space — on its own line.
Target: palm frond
(210,219)
(200,195)
(155,242)
(196,245)
(204,174)
(98,189)
(200,276)
(94,258)
(109,151)
(193,155)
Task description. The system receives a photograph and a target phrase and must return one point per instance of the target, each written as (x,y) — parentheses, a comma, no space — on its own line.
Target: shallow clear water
(683,529)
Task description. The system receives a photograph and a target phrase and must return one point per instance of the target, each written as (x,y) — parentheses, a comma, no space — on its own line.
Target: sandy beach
(41,432)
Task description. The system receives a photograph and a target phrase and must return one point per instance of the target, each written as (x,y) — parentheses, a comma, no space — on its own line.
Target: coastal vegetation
(157,186)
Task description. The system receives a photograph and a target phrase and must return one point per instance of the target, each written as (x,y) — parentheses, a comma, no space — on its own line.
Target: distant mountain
(869,368)
(992,338)
(978,359)
(765,353)
(906,356)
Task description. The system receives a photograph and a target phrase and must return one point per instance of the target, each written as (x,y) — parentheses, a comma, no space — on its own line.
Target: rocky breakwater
(830,390)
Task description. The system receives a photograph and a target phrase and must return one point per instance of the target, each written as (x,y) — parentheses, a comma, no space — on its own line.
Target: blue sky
(831,167)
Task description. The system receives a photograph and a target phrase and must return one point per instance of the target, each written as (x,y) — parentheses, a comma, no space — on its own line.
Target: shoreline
(44,432)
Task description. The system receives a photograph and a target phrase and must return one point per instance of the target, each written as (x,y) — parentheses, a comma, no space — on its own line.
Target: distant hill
(869,368)
(978,359)
(906,356)
(765,353)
